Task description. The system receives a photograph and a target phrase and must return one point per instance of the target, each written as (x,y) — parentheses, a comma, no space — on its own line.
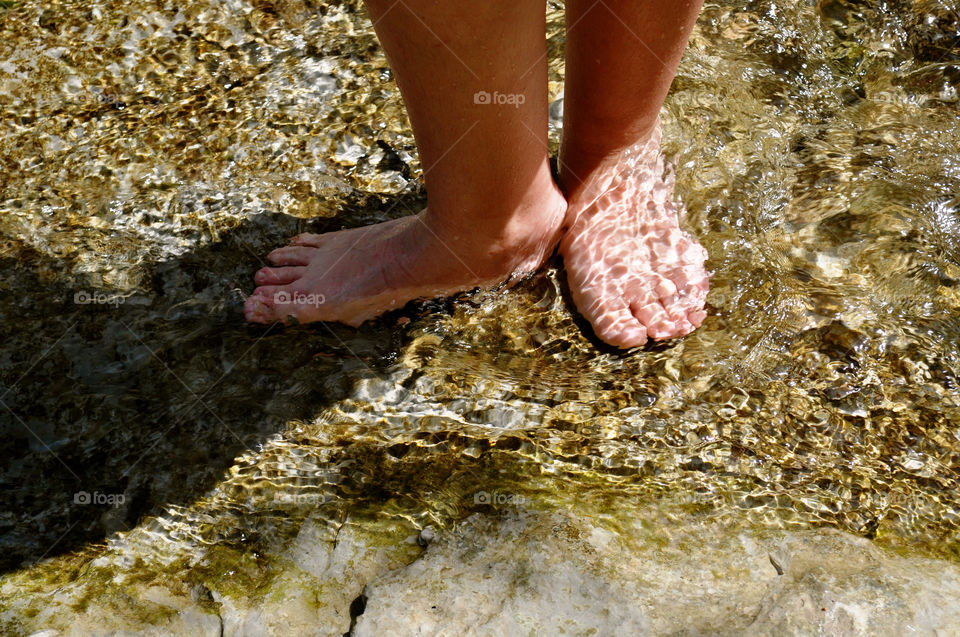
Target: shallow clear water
(152,153)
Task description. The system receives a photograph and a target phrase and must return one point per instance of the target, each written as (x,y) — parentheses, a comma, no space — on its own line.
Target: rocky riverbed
(477,465)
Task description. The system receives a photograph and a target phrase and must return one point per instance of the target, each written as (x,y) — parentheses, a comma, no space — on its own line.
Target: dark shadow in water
(111,411)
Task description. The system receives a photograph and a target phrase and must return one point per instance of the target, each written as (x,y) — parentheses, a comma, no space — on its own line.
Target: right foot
(633,272)
(354,275)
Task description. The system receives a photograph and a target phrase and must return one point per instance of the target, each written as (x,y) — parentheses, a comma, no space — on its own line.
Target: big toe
(614,323)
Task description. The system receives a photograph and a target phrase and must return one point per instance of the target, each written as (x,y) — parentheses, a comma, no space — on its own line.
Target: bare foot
(354,275)
(634,274)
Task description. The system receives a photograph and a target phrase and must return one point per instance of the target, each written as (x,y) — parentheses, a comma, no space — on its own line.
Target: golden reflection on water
(144,144)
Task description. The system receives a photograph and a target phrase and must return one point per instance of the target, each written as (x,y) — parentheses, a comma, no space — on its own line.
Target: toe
(272,297)
(696,317)
(292,255)
(257,309)
(665,293)
(270,303)
(278,276)
(619,327)
(308,239)
(653,316)
(679,328)
(660,323)
(286,303)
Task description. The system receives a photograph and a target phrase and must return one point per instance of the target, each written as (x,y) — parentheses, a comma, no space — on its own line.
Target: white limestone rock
(553,574)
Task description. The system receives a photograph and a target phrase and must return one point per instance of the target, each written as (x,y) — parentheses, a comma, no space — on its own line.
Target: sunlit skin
(494,211)
(633,272)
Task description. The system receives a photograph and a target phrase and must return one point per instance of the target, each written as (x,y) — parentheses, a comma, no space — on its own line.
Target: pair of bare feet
(633,272)
(474,80)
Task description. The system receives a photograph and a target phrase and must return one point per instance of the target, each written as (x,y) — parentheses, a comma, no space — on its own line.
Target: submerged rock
(557,574)
(551,572)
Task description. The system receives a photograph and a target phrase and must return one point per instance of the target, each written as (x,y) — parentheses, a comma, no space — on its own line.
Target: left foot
(633,272)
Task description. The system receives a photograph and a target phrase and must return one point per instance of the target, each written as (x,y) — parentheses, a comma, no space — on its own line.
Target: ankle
(498,241)
(583,157)
(496,220)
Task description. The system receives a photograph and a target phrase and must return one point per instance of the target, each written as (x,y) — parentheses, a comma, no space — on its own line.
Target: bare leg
(493,208)
(632,271)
